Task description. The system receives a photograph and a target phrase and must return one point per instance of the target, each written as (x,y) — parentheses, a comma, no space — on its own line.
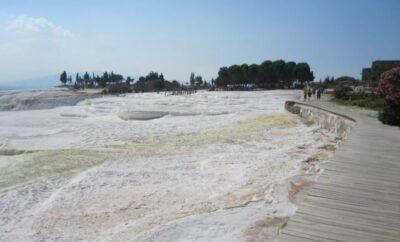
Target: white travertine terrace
(212,166)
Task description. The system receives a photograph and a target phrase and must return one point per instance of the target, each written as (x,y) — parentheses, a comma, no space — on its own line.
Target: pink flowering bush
(389,89)
(389,86)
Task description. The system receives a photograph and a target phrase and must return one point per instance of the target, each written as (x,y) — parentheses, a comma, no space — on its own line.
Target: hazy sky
(336,37)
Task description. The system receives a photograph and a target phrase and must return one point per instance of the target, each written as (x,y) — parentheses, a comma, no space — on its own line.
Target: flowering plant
(389,86)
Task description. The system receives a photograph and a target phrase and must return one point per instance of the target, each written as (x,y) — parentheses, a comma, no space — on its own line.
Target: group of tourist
(312,91)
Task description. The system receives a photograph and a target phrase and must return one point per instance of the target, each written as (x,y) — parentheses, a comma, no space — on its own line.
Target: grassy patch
(360,99)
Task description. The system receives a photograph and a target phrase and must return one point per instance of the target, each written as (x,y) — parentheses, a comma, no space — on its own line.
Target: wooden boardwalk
(357,198)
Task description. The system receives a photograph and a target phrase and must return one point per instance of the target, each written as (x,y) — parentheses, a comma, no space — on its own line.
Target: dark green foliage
(268,74)
(94,81)
(303,73)
(370,102)
(252,73)
(129,80)
(290,75)
(389,89)
(341,91)
(155,82)
(155,86)
(223,78)
(117,88)
(175,84)
(115,78)
(361,99)
(196,81)
(159,84)
(105,77)
(361,95)
(63,77)
(244,74)
(347,80)
(279,69)
(343,80)
(390,114)
(192,79)
(152,76)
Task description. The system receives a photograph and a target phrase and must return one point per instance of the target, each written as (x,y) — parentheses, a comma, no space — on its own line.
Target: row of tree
(276,74)
(116,83)
(198,82)
(93,80)
(155,82)
(342,80)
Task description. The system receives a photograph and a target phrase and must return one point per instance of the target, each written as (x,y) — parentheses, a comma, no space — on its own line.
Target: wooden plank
(357,198)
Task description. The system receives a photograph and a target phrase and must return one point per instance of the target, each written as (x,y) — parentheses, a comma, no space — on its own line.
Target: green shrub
(361,99)
(390,115)
(370,102)
(117,88)
(341,92)
(360,95)
(389,88)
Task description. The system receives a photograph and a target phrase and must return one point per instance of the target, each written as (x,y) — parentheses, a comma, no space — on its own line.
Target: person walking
(309,94)
(319,93)
(305,93)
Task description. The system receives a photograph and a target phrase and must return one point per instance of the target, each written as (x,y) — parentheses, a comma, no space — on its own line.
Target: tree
(235,74)
(86,79)
(303,73)
(266,74)
(192,79)
(69,80)
(347,80)
(198,81)
(78,81)
(223,77)
(159,85)
(212,81)
(152,76)
(290,76)
(98,81)
(129,80)
(161,77)
(280,75)
(244,74)
(252,73)
(116,78)
(106,77)
(63,77)
(175,84)
(389,89)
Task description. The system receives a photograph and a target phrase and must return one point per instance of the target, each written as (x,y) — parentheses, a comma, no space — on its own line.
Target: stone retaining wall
(335,122)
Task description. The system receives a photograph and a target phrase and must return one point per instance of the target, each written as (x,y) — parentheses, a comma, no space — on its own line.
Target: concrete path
(357,198)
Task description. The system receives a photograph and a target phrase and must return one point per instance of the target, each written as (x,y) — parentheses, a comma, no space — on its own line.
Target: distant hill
(48,81)
(32,83)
